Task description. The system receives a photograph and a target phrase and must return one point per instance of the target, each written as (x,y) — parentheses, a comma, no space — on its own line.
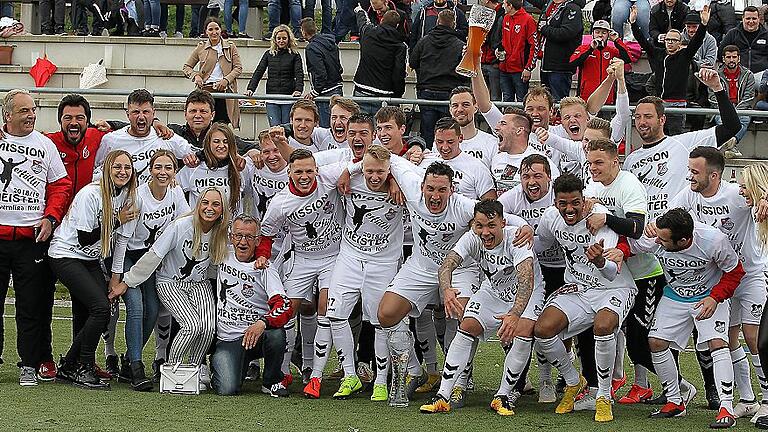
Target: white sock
(666,370)
(381,351)
(308,330)
(426,337)
(162,333)
(554,351)
(109,335)
(323,342)
(605,356)
(290,342)
(455,361)
(464,377)
(514,363)
(722,368)
(760,377)
(742,375)
(451,327)
(618,363)
(545,369)
(345,345)
(641,376)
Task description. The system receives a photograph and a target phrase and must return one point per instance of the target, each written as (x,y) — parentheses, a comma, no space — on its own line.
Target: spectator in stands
(152,18)
(427,20)
(180,13)
(740,84)
(345,19)
(98,21)
(274,11)
(560,29)
(752,39)
(434,58)
(323,66)
(671,65)
(706,55)
(51,16)
(326,11)
(242,18)
(381,71)
(762,94)
(285,74)
(722,19)
(594,59)
(379,7)
(665,16)
(489,61)
(212,10)
(219,68)
(518,40)
(620,15)
(6,9)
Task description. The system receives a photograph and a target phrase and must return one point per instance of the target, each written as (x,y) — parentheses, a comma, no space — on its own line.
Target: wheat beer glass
(480,22)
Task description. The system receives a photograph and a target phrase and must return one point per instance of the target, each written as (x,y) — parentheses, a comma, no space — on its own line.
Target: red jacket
(517,38)
(592,64)
(79,160)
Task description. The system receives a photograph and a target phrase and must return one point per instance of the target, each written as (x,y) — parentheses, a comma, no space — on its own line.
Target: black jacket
(285,76)
(493,39)
(660,20)
(381,69)
(562,33)
(722,19)
(753,56)
(435,57)
(427,20)
(323,64)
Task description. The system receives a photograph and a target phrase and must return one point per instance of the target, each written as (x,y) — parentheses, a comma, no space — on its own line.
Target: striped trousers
(192,305)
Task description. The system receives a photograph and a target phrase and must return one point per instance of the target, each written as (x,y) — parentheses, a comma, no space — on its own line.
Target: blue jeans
(180,11)
(430,114)
(744,124)
(242,15)
(6,9)
(194,23)
(761,105)
(324,108)
(558,83)
(274,10)
(345,18)
(512,86)
(620,15)
(229,362)
(492,79)
(141,308)
(152,13)
(309,12)
(278,113)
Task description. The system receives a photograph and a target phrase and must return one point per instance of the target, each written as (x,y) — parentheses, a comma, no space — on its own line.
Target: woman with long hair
(96,226)
(217,168)
(220,66)
(285,74)
(186,249)
(158,204)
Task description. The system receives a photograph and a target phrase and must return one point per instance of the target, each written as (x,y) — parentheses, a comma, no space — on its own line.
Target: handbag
(180,379)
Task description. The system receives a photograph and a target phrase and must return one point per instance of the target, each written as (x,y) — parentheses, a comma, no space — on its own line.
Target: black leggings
(762,340)
(87,285)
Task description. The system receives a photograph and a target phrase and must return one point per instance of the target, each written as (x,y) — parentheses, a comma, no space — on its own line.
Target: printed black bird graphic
(186,271)
(263,201)
(152,234)
(360,212)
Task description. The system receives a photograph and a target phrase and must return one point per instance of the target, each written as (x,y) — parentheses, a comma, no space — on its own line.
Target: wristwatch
(53,221)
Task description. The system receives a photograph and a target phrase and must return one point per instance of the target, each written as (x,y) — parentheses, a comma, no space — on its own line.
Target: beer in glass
(480,22)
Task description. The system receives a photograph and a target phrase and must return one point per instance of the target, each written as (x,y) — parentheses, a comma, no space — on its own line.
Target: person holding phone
(594,58)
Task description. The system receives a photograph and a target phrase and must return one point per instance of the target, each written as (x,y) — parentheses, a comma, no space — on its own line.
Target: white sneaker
(687,391)
(587,402)
(178,34)
(205,375)
(743,409)
(163,34)
(761,412)
(202,387)
(547,392)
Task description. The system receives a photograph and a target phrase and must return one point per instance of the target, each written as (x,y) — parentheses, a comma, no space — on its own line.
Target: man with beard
(477,143)
(741,90)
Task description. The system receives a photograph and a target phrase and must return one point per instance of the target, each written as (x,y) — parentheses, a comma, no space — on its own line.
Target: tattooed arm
(509,320)
(453,307)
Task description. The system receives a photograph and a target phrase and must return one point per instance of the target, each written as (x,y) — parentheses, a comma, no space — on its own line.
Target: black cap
(692,18)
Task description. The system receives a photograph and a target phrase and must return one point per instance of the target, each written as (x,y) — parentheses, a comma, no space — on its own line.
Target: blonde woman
(96,226)
(186,248)
(285,74)
(219,68)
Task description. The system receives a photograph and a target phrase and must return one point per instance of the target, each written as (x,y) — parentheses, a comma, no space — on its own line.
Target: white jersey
(483,146)
(500,263)
(433,234)
(625,195)
(155,215)
(265,184)
(325,136)
(175,248)
(515,202)
(506,169)
(314,221)
(493,116)
(195,180)
(691,273)
(373,225)
(244,293)
(29,164)
(320,140)
(335,155)
(574,151)
(663,168)
(727,211)
(575,239)
(85,215)
(140,149)
(471,177)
